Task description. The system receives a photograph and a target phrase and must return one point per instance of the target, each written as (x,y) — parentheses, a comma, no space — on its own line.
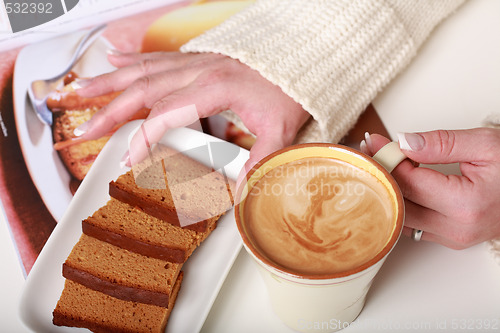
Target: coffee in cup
(330,216)
(319,219)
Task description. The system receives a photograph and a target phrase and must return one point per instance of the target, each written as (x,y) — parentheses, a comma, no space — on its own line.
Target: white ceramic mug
(323,304)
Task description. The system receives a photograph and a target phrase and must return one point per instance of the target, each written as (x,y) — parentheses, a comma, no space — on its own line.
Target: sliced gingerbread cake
(177,189)
(124,273)
(121,273)
(70,111)
(128,227)
(80,306)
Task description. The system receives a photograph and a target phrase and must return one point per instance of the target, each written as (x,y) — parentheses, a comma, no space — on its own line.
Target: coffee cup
(320,220)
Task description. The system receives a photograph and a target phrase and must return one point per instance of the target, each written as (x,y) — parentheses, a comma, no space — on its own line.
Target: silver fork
(39,90)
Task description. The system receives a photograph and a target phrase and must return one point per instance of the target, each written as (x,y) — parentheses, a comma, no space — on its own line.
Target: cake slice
(80,306)
(121,273)
(122,225)
(77,157)
(177,189)
(70,111)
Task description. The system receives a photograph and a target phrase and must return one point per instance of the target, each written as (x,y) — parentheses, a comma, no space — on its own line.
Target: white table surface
(453,83)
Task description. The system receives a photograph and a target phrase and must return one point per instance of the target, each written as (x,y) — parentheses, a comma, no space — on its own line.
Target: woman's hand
(457,211)
(176,85)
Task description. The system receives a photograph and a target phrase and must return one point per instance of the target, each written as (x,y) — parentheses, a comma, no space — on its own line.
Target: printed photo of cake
(70,111)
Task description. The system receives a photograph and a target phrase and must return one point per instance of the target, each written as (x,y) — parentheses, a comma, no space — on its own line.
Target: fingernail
(368,141)
(114,52)
(80,83)
(411,141)
(362,147)
(125,161)
(82,129)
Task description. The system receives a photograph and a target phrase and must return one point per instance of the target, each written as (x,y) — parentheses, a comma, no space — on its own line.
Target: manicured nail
(368,141)
(80,83)
(125,161)
(82,129)
(362,147)
(114,52)
(411,141)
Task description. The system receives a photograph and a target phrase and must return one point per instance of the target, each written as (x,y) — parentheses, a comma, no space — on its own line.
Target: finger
(428,220)
(424,186)
(430,188)
(152,130)
(141,94)
(443,146)
(122,78)
(429,237)
(427,200)
(179,109)
(426,236)
(435,226)
(122,59)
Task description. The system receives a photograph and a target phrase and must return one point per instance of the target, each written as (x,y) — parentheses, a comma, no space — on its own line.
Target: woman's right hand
(457,211)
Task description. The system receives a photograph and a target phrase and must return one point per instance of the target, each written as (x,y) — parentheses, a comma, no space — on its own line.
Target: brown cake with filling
(130,228)
(121,273)
(80,306)
(78,157)
(70,111)
(177,189)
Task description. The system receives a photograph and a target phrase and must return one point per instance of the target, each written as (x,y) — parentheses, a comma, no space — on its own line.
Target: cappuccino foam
(319,216)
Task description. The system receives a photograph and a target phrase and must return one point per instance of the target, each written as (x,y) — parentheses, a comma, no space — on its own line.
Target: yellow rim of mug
(351,155)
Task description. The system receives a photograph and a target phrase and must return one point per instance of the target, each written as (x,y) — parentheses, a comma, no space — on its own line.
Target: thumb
(447,146)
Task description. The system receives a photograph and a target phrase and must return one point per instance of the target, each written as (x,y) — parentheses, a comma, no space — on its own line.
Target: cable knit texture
(332,57)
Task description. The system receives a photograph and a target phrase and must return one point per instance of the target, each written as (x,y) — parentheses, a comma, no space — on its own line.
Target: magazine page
(22,23)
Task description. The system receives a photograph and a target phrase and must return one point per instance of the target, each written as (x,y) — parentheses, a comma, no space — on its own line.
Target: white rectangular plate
(204,272)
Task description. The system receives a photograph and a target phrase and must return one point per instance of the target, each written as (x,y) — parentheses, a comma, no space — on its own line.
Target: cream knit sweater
(331,56)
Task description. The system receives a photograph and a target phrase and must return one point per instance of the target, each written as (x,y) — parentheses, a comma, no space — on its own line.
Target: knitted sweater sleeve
(331,56)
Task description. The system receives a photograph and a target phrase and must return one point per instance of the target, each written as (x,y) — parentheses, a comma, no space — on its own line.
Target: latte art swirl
(319,216)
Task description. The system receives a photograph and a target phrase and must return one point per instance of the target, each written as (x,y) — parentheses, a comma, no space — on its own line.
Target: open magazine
(37,186)
(23,23)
